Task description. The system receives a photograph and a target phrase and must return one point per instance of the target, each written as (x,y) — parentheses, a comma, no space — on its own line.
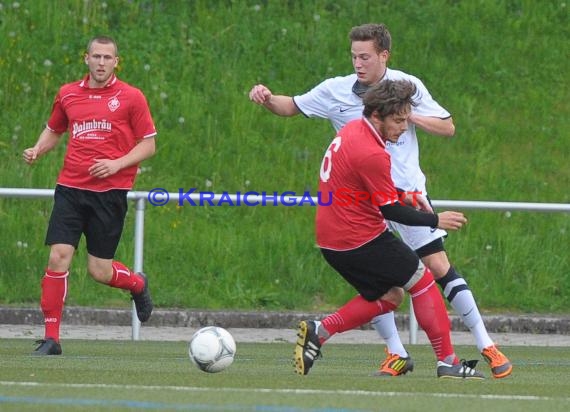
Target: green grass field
(123,376)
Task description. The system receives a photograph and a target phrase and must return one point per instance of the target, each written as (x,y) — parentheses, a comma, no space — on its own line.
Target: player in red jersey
(355,240)
(110,132)
(339,99)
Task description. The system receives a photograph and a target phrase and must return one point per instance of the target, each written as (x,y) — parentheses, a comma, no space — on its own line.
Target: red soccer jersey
(356,172)
(103,123)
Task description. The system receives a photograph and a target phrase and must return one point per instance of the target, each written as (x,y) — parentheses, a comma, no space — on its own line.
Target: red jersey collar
(85,82)
(374,132)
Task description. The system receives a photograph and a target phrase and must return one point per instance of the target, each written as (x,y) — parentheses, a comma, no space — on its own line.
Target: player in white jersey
(339,100)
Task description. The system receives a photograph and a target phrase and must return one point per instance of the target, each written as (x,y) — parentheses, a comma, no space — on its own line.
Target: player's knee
(438,264)
(394,296)
(60,257)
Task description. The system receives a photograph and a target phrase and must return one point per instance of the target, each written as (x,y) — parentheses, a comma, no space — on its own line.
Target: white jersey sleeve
(332,99)
(426,105)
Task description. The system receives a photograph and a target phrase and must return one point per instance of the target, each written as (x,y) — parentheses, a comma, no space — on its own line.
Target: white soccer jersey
(333,99)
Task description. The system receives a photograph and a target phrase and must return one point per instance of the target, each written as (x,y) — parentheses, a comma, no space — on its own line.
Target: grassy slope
(499,67)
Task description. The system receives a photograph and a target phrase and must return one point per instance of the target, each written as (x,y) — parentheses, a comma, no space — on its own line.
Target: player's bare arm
(103,168)
(48,140)
(434,125)
(277,104)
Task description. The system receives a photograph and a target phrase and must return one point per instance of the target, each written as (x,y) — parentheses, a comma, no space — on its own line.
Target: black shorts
(100,216)
(375,267)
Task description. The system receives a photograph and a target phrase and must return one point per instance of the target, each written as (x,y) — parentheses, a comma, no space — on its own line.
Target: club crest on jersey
(113,103)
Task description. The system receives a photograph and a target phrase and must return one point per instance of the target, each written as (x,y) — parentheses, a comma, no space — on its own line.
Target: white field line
(283,391)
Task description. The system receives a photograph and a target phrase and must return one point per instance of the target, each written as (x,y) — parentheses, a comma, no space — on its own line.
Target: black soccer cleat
(47,347)
(308,347)
(465,369)
(143,301)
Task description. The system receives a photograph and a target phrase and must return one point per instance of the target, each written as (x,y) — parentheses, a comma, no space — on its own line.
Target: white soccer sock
(464,305)
(385,325)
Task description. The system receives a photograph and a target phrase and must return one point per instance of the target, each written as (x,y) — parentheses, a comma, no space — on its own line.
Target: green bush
(498,66)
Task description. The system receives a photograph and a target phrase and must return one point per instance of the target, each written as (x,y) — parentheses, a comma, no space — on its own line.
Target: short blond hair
(103,40)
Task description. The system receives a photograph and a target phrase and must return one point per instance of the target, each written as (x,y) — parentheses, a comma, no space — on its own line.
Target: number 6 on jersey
(326,165)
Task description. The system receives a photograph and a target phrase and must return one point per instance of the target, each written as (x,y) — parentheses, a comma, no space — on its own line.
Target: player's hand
(103,168)
(260,94)
(30,155)
(451,220)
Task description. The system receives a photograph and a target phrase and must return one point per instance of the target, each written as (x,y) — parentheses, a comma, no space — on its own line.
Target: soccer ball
(212,349)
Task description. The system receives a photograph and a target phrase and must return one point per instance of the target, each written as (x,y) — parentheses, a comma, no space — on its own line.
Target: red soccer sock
(123,278)
(431,314)
(355,313)
(54,290)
